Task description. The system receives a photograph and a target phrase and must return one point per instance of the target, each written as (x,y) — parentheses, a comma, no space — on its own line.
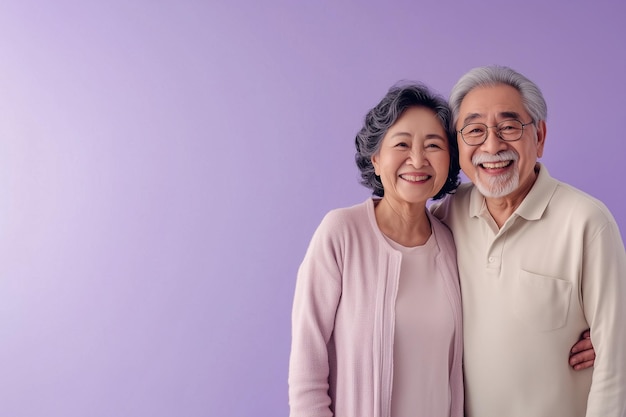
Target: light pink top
(343,318)
(424,333)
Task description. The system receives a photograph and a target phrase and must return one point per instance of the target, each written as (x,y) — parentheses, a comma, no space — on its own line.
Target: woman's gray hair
(378,120)
(493,75)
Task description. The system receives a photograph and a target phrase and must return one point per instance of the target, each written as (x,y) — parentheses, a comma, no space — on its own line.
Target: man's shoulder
(566,201)
(463,192)
(584,205)
(453,202)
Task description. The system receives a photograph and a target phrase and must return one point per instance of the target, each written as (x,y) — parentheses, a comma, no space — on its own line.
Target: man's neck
(502,208)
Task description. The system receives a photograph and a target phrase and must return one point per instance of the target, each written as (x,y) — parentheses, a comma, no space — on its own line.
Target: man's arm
(603,294)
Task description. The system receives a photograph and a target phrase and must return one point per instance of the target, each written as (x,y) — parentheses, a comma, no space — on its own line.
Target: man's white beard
(496,186)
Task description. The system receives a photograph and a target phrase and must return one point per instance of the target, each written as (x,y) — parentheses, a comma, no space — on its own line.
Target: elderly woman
(376,325)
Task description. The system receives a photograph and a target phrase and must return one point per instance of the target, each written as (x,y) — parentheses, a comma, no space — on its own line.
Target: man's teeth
(494,165)
(415,178)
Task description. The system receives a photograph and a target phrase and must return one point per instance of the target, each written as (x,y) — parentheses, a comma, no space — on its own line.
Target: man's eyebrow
(509,115)
(471,117)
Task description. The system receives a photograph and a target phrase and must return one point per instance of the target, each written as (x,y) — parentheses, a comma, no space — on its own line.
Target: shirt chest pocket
(540,301)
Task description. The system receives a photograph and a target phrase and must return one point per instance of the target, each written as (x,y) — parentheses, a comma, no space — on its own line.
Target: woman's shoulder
(347,224)
(355,215)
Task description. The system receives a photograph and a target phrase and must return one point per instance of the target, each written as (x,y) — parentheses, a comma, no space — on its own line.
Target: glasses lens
(474,133)
(510,129)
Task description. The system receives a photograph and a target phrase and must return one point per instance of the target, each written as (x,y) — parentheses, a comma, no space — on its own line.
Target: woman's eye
(433,146)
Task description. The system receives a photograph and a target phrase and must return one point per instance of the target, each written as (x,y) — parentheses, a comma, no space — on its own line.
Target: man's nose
(493,144)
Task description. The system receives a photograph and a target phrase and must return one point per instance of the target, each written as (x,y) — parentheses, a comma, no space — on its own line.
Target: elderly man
(539,261)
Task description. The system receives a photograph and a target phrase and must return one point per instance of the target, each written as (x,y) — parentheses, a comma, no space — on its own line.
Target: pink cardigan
(341,360)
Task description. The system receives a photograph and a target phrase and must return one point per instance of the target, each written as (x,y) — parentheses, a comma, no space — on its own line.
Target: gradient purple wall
(163,165)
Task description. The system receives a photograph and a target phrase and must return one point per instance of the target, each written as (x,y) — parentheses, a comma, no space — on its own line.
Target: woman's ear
(374,160)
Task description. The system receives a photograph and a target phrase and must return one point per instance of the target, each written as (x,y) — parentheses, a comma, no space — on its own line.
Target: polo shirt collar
(533,205)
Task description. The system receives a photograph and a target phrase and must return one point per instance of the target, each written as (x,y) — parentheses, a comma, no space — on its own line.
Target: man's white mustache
(509,155)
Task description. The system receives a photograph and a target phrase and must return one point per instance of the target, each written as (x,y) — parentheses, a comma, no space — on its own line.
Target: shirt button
(491,259)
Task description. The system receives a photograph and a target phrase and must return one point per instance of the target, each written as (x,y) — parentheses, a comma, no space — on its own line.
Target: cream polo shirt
(556,268)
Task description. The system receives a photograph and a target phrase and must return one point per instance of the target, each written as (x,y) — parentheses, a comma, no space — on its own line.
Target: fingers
(582,365)
(582,355)
(581,346)
(582,360)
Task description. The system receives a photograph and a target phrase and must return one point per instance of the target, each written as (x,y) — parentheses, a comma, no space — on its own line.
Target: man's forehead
(500,101)
(501,115)
(496,92)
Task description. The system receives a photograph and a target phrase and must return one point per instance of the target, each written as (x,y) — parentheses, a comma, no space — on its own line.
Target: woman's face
(414,157)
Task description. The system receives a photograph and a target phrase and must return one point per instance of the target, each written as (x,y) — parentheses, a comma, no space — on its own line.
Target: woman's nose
(418,158)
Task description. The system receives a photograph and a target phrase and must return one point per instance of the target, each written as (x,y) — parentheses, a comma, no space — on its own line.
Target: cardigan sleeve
(317,294)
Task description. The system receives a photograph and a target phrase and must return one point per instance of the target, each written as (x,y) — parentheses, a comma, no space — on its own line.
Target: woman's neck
(406,224)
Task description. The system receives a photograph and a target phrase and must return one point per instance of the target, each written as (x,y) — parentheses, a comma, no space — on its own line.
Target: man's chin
(496,187)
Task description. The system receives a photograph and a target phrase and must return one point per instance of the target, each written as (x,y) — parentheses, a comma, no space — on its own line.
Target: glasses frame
(497,132)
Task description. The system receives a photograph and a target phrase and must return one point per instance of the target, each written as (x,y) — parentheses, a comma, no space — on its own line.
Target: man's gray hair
(493,75)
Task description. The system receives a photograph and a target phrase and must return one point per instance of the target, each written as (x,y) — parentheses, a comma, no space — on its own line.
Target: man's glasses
(475,134)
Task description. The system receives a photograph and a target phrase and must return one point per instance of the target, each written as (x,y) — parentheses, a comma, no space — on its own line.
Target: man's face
(498,168)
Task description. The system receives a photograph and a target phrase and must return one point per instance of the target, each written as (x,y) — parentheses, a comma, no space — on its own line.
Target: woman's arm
(317,294)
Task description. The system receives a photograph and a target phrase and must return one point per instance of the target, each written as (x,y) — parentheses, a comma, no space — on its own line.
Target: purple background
(163,165)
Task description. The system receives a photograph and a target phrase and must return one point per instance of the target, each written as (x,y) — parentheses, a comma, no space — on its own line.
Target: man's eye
(510,125)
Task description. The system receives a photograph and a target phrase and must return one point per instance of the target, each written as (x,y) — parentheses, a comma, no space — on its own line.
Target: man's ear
(541,137)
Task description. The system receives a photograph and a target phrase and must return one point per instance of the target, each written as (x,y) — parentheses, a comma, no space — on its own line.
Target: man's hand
(582,355)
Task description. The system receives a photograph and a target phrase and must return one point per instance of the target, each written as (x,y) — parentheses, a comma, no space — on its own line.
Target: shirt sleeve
(604,303)
(317,294)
